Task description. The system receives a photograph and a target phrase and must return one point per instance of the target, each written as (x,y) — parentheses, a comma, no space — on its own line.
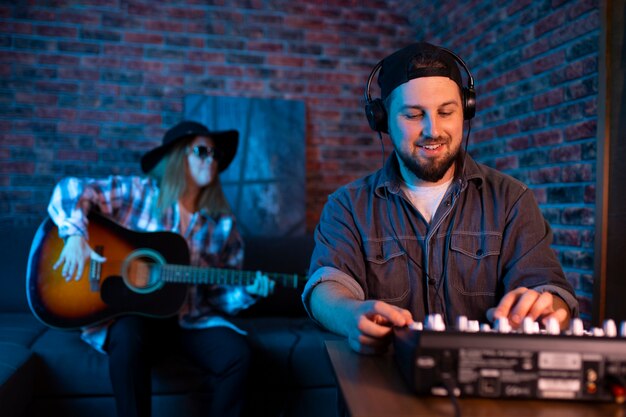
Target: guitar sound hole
(142,271)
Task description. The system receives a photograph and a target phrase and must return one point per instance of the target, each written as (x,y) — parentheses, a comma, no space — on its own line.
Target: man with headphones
(432,231)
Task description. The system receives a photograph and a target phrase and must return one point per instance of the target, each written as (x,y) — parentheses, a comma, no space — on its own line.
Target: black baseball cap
(398,68)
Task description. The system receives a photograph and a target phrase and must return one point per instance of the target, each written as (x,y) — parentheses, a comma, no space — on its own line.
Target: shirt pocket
(386,270)
(475,256)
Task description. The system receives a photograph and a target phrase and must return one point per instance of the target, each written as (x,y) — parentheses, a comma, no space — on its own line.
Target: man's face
(426,128)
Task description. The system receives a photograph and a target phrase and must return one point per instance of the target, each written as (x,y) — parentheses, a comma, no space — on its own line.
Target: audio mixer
(476,360)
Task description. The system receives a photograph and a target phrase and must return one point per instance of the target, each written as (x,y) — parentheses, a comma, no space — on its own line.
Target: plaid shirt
(131,202)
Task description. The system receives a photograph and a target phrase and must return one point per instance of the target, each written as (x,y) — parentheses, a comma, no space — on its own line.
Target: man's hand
(73,257)
(262,285)
(370,331)
(523,302)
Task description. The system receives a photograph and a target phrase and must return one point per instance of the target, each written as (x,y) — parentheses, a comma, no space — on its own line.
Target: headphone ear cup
(376,115)
(469,103)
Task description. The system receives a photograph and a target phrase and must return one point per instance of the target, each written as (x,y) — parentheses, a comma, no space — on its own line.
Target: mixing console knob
(502,325)
(622,329)
(473,326)
(609,328)
(576,327)
(596,331)
(435,322)
(553,327)
(528,326)
(416,325)
(485,327)
(461,323)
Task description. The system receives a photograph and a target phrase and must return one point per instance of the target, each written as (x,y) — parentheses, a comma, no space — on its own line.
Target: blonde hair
(170,175)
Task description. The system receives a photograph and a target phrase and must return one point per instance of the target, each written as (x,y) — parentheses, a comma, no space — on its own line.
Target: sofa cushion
(20,328)
(16,378)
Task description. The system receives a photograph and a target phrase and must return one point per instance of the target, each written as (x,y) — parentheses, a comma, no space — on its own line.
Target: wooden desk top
(372,386)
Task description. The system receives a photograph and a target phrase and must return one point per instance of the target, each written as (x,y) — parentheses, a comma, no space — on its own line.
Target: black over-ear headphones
(377,114)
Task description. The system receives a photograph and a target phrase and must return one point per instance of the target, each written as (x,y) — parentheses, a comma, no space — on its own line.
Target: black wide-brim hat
(226,142)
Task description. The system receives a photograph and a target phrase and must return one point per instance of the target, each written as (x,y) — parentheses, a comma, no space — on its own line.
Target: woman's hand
(73,257)
(262,285)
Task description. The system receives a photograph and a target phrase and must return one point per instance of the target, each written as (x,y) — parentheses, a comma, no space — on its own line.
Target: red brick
(37,98)
(143,118)
(507,162)
(206,57)
(550,22)
(122,50)
(565,153)
(17,167)
(164,26)
(545,175)
(577,173)
(145,38)
(507,129)
(16,27)
(548,62)
(264,46)
(57,31)
(548,99)
(221,70)
(58,59)
(77,17)
(285,61)
(551,137)
(16,139)
(79,128)
(55,113)
(76,155)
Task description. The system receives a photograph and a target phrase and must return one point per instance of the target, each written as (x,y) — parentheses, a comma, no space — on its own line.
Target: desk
(371,386)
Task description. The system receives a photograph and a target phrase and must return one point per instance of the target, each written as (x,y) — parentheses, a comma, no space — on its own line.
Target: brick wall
(83,80)
(535,65)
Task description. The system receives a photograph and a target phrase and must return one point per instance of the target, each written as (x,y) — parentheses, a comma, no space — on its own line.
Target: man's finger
(395,315)
(523,306)
(541,306)
(560,314)
(506,303)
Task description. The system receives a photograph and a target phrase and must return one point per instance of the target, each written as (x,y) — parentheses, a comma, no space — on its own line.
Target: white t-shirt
(426,199)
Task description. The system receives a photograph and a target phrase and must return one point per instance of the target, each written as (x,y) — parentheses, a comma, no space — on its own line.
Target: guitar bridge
(95,270)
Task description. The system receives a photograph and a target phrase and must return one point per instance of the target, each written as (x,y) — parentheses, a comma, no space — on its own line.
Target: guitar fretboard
(196,275)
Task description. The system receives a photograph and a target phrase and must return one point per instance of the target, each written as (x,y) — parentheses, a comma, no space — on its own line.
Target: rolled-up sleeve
(337,255)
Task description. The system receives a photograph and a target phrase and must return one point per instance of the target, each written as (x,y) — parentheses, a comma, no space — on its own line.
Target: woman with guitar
(180,194)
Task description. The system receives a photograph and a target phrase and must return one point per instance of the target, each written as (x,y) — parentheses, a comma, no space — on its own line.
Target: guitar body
(105,290)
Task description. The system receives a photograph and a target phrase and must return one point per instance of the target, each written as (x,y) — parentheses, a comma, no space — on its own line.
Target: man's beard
(432,170)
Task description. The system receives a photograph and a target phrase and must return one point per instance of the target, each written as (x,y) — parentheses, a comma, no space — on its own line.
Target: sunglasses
(205,152)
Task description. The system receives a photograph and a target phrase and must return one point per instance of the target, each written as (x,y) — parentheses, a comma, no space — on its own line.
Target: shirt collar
(391,180)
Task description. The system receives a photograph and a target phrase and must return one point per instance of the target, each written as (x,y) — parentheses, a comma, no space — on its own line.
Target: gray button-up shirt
(486,238)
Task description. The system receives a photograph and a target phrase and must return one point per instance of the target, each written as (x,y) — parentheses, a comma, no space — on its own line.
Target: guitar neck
(184,274)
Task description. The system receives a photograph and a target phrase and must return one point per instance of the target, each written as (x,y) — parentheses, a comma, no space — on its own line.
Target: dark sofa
(47,372)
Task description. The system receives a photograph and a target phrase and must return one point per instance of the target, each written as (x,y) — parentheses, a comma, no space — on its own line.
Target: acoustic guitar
(142,275)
